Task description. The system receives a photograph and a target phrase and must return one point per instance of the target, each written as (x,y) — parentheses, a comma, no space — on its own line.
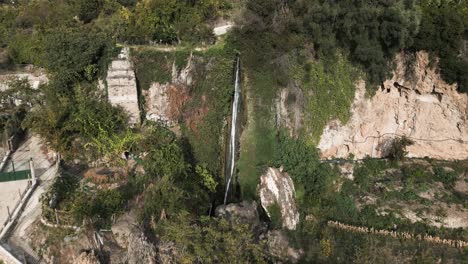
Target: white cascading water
(232,140)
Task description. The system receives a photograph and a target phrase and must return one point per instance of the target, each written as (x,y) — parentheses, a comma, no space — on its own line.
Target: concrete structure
(121,86)
(35,77)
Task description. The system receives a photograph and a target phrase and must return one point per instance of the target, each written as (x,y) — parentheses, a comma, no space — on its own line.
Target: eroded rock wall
(422,107)
(164,101)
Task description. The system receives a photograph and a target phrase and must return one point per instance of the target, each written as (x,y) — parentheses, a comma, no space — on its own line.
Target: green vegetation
(12,114)
(175,182)
(369,33)
(443,32)
(397,151)
(153,66)
(329,93)
(213,240)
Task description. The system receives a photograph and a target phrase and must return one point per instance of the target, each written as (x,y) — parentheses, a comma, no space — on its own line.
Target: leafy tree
(88,9)
(68,52)
(210,240)
(397,151)
(208,180)
(443,32)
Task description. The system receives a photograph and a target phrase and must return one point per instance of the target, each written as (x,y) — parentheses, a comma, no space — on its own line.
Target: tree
(397,151)
(210,240)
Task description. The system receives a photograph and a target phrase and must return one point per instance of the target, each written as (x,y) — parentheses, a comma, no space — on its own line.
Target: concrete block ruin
(122,88)
(35,77)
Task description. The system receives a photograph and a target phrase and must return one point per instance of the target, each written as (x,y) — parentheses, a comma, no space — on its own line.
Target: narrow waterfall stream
(232,139)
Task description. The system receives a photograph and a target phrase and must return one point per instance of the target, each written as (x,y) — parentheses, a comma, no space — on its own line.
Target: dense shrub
(443,32)
(397,150)
(448,178)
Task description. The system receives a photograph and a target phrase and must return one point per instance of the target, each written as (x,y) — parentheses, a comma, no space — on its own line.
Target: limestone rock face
(164,101)
(245,212)
(422,107)
(278,246)
(121,86)
(277,188)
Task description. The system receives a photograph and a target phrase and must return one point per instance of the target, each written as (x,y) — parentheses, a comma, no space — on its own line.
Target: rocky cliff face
(289,113)
(164,101)
(121,86)
(277,188)
(420,106)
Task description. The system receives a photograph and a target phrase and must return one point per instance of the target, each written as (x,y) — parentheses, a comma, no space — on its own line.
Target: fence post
(10,144)
(56,217)
(9,214)
(33,173)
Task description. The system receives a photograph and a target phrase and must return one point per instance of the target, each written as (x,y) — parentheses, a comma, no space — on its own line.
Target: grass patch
(329,91)
(156,66)
(259,138)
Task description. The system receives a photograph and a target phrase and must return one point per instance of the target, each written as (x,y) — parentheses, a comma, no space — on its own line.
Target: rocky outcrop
(277,188)
(420,106)
(164,101)
(86,258)
(245,212)
(289,105)
(140,250)
(278,247)
(121,86)
(124,228)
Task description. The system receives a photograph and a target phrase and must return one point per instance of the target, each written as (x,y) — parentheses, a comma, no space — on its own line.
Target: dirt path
(46,172)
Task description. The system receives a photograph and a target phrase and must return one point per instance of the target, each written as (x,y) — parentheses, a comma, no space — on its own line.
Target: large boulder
(245,212)
(277,189)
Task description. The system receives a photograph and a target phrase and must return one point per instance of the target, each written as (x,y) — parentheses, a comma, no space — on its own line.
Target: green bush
(397,151)
(448,178)
(276,221)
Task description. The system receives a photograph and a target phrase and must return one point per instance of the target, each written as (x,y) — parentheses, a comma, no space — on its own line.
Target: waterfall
(232,139)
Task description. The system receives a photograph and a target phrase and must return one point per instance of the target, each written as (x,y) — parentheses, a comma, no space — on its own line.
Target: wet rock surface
(289,109)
